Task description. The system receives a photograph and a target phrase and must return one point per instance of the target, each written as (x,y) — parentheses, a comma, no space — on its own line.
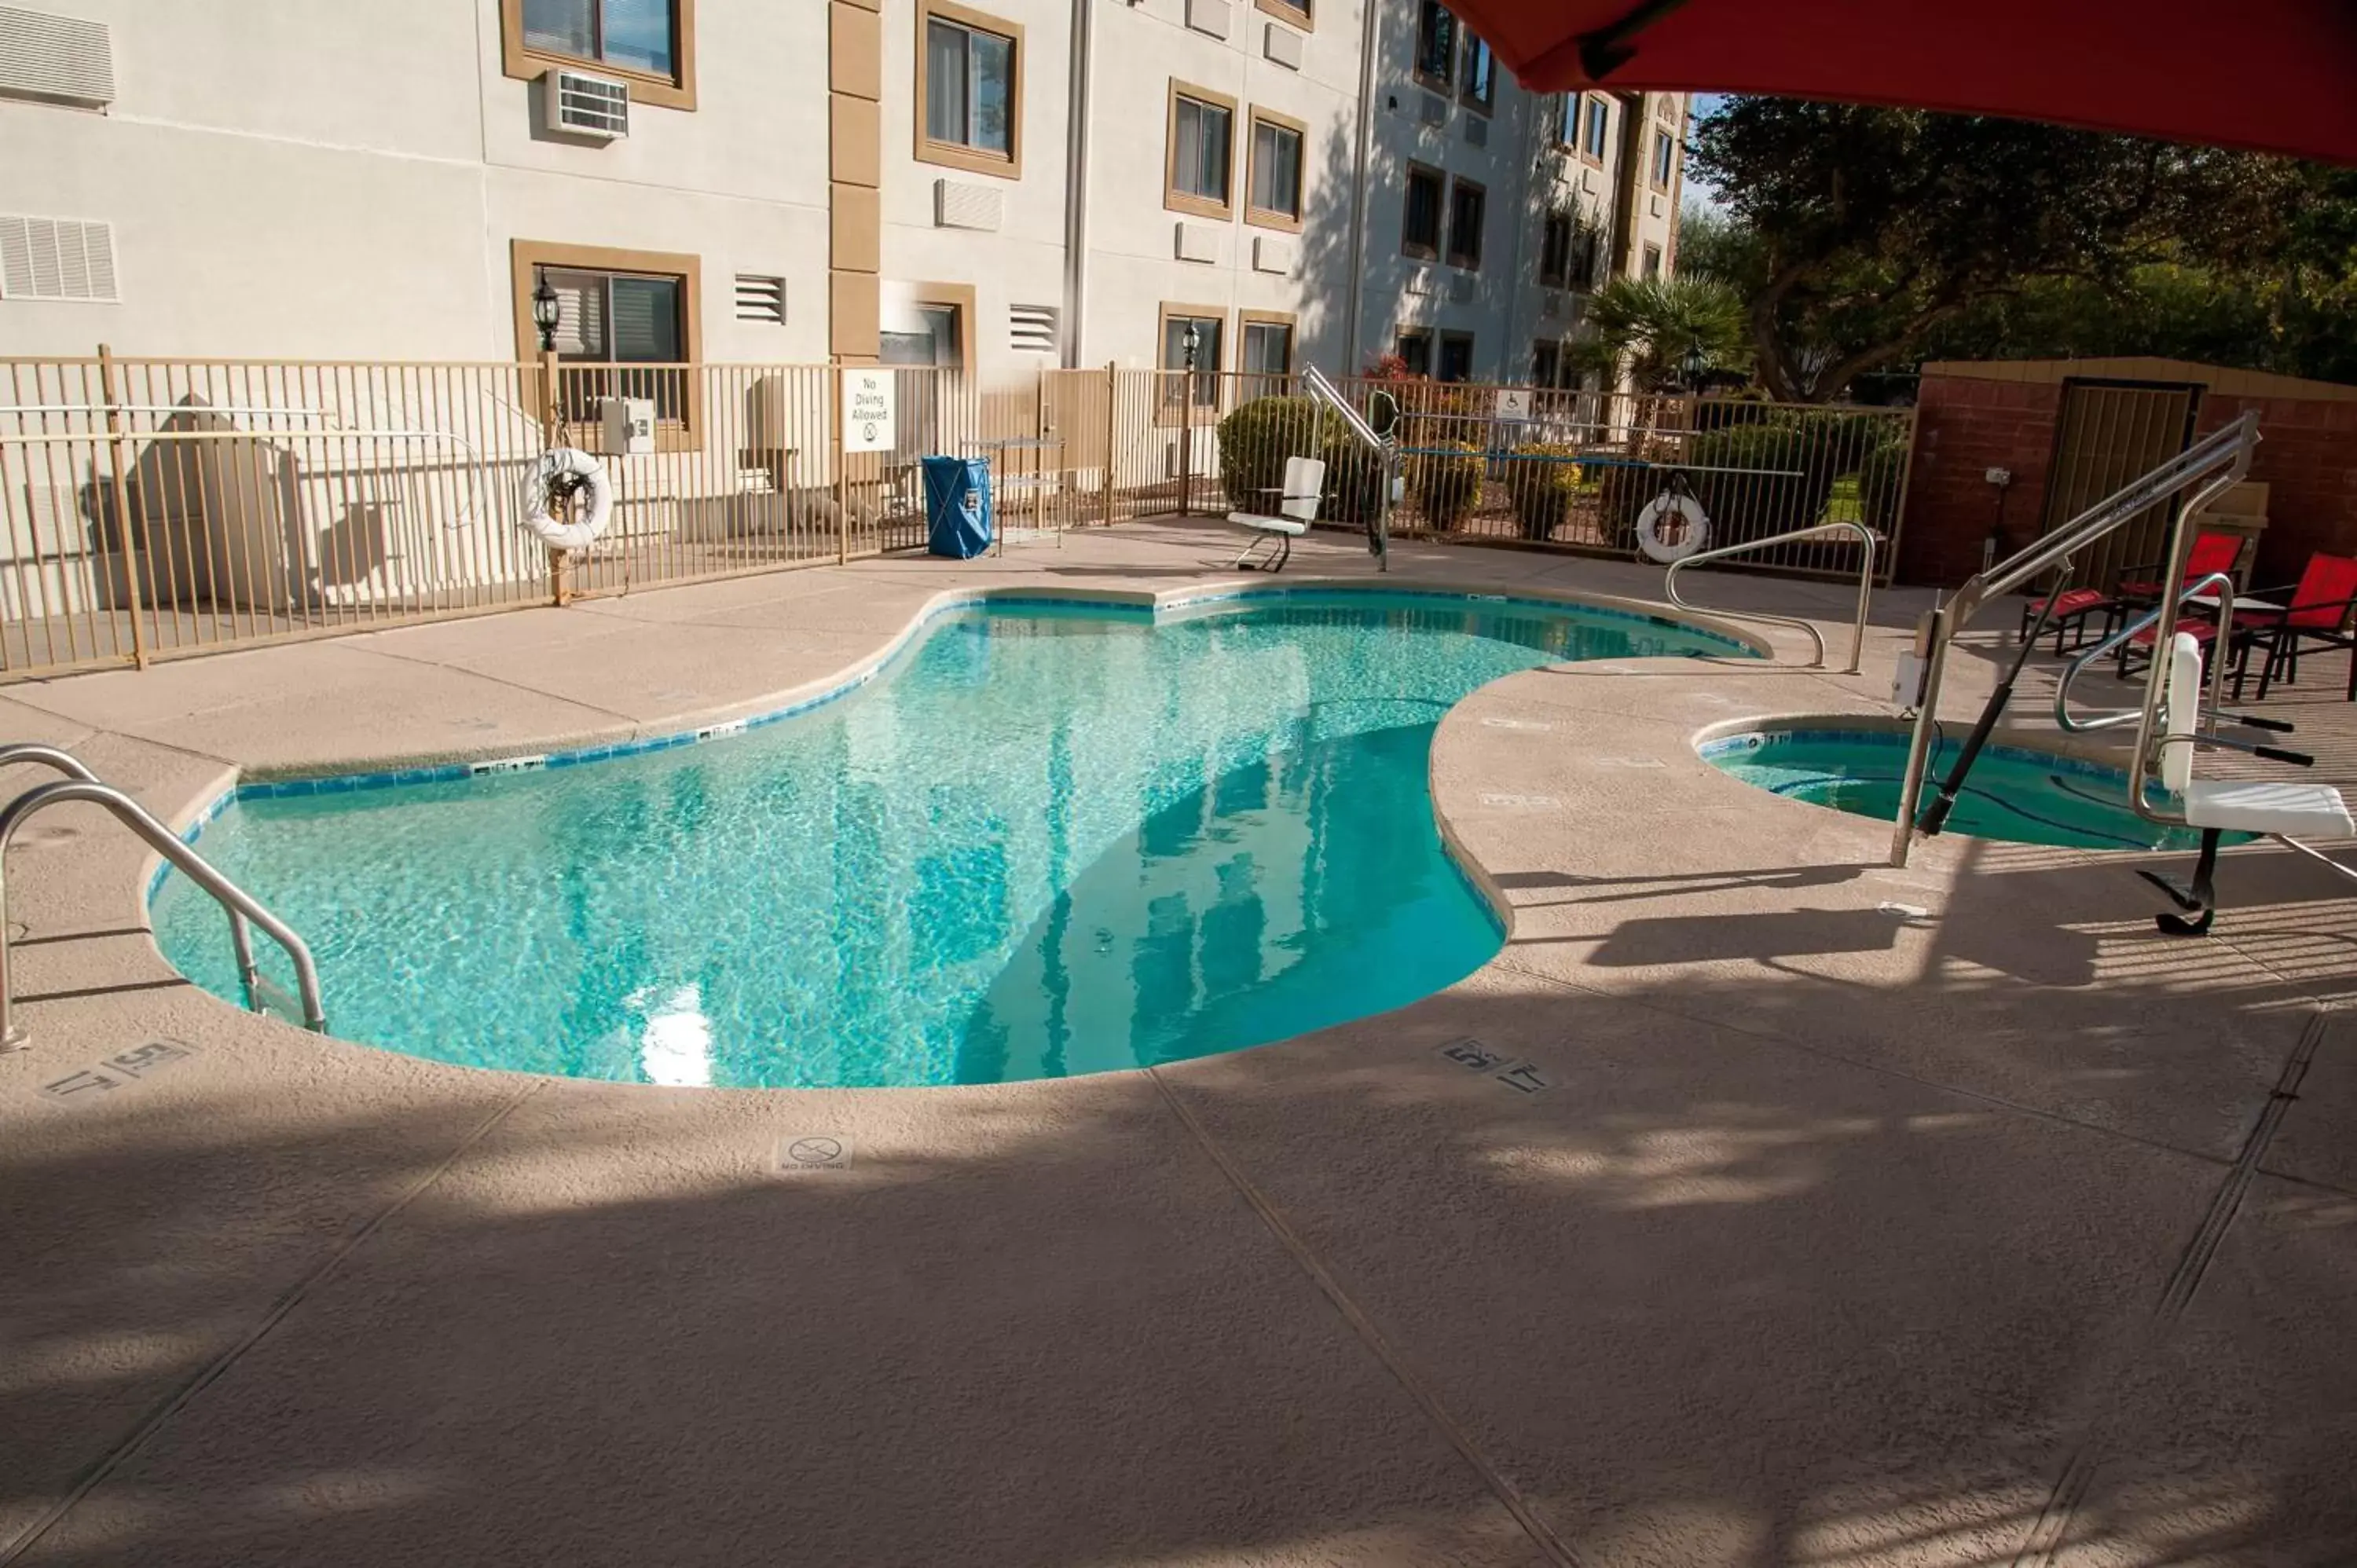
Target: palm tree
(1658,329)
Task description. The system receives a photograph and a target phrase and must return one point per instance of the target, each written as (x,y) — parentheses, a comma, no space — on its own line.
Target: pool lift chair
(1304,484)
(2172,722)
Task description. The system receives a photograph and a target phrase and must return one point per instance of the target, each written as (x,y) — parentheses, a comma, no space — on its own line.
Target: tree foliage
(1859,233)
(1649,326)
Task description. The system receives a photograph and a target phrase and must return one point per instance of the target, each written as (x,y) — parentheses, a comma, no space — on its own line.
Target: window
(650,42)
(1584,253)
(928,337)
(929,324)
(1546,363)
(1652,261)
(1567,123)
(1297,15)
(1207,322)
(970,82)
(1266,353)
(1468,206)
(1274,196)
(1599,126)
(1455,356)
(1435,45)
(1479,78)
(1420,228)
(1555,251)
(1665,154)
(1197,170)
(1414,349)
(616,310)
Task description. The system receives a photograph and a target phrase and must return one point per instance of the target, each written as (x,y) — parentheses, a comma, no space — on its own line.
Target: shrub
(1879,480)
(1259,435)
(1542,483)
(1444,483)
(1753,505)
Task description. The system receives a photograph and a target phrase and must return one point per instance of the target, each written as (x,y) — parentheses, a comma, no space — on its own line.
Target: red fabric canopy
(2272,75)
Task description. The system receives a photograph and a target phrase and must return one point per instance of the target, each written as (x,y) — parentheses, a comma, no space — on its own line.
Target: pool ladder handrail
(82,785)
(1384,445)
(1865,535)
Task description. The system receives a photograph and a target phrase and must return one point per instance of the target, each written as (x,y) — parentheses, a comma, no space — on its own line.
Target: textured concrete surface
(1935,1216)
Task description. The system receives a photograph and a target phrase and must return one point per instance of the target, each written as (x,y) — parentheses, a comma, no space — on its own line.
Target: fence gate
(2109,434)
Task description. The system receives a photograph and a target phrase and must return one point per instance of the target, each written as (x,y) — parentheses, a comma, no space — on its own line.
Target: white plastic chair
(1296,508)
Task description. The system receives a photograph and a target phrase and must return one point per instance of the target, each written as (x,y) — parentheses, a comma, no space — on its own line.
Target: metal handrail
(240,905)
(1866,536)
(1385,448)
(2114,720)
(2230,448)
(64,762)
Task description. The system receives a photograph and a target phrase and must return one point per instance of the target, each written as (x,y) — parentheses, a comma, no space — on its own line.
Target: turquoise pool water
(1048,841)
(2030,797)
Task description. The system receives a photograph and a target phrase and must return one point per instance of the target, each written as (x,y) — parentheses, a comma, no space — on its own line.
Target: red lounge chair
(2204,632)
(2140,585)
(2071,610)
(2317,612)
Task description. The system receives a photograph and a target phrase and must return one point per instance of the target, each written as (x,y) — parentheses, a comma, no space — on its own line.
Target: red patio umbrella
(2276,76)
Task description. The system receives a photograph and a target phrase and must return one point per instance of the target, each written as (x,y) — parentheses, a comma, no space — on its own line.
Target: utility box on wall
(629,426)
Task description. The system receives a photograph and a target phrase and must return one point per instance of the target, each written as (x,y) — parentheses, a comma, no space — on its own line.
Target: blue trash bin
(957,506)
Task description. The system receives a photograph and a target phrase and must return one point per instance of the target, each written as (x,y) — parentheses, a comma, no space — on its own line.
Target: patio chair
(2319,611)
(1296,508)
(2139,586)
(2133,653)
(2072,610)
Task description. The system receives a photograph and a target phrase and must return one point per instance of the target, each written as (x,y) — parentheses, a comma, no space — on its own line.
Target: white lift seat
(1296,508)
(2302,810)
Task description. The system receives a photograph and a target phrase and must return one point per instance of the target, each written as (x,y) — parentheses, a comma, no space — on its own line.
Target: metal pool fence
(154,507)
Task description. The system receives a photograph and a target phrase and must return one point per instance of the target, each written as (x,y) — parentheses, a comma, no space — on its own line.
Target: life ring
(1693,525)
(573,470)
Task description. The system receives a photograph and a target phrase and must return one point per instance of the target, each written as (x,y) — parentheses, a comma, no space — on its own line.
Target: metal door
(2109,434)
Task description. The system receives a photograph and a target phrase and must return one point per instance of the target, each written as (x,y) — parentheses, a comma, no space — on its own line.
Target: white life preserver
(592,511)
(1693,521)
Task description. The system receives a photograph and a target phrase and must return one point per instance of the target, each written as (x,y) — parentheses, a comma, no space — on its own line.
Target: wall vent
(1208,16)
(1477,130)
(1032,329)
(1282,45)
(1432,109)
(56,258)
(1460,286)
(63,59)
(579,104)
(957,205)
(761,296)
(1420,281)
(1550,302)
(1271,254)
(1197,243)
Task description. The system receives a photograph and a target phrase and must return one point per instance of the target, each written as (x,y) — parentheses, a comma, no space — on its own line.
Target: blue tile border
(957,603)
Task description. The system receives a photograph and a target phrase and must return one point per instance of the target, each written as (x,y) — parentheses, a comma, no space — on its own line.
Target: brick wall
(2308,458)
(1965,426)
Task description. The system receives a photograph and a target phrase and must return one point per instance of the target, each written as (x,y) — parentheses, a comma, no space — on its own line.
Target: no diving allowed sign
(869,406)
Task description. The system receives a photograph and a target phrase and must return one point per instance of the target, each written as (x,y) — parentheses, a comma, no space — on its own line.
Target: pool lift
(2172,721)
(1305,482)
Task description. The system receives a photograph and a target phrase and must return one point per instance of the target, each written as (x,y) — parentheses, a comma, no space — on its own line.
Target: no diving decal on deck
(1521,1077)
(814,1152)
(120,1071)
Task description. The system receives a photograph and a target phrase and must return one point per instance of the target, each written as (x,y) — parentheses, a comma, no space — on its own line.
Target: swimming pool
(1049,839)
(2013,792)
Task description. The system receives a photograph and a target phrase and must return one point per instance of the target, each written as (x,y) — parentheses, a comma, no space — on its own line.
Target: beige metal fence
(1567,469)
(153,508)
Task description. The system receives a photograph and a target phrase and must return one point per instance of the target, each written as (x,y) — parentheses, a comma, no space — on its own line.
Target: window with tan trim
(1199,159)
(1555,250)
(1665,157)
(1567,119)
(1414,347)
(1599,128)
(1207,320)
(969,90)
(650,44)
(1420,215)
(1284,11)
(628,325)
(1273,193)
(1469,212)
(926,324)
(1264,351)
(1456,358)
(1478,79)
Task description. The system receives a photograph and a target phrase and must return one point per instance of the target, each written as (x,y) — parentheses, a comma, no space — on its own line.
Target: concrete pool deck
(1936,1215)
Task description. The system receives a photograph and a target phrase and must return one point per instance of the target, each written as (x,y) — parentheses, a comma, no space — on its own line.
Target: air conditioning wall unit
(579,104)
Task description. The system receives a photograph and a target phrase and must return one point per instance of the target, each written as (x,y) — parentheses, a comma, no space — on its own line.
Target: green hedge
(1258,436)
(1543,483)
(1445,486)
(1880,479)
